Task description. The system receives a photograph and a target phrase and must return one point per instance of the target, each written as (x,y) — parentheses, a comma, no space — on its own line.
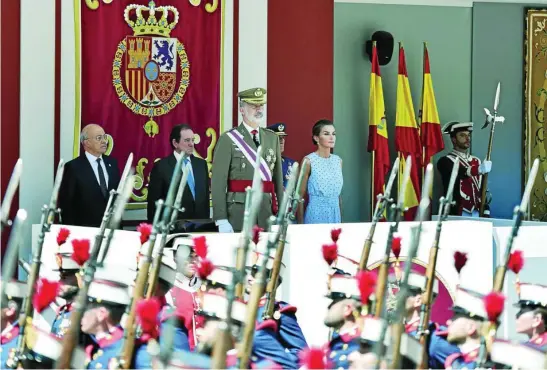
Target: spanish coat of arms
(151,71)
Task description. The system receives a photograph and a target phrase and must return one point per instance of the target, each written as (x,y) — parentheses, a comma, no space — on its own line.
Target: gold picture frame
(535,108)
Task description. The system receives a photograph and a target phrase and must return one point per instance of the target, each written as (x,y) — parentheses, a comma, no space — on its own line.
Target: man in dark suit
(87,181)
(195,199)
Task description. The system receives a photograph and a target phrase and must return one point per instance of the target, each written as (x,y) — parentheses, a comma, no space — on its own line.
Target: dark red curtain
(126,67)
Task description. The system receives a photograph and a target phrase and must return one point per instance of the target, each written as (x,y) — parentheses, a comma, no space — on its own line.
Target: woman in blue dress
(322,179)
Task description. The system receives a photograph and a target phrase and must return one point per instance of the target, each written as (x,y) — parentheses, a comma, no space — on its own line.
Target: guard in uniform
(532,316)
(279,129)
(174,304)
(466,328)
(287,330)
(438,347)
(183,295)
(109,297)
(233,166)
(467,190)
(268,350)
(342,316)
(16,291)
(70,280)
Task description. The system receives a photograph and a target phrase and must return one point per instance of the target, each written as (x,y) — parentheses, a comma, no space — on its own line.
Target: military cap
(256,96)
(278,128)
(16,289)
(470,303)
(215,306)
(452,128)
(532,295)
(417,281)
(111,285)
(168,268)
(46,347)
(343,287)
(516,355)
(64,258)
(220,277)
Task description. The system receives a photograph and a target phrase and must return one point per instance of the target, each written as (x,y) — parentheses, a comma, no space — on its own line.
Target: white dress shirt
(249,128)
(177,157)
(93,161)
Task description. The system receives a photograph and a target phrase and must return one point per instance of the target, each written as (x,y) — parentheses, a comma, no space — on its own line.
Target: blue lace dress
(324,188)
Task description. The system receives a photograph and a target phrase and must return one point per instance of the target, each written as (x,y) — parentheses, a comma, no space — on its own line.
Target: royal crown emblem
(151,71)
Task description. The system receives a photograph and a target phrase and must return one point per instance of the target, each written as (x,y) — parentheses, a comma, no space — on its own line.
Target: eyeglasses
(101,137)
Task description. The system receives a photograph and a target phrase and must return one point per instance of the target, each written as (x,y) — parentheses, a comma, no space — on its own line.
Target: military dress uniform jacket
(467,189)
(268,348)
(439,349)
(539,343)
(287,164)
(9,339)
(233,172)
(342,345)
(460,360)
(288,332)
(61,323)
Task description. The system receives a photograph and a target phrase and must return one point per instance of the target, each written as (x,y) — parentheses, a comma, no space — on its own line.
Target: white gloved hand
(224,226)
(485,167)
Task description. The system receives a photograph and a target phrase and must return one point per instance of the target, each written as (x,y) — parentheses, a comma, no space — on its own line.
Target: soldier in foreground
(16,291)
(532,316)
(465,329)
(233,161)
(467,191)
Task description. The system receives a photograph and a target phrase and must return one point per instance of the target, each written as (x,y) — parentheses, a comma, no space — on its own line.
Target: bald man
(87,180)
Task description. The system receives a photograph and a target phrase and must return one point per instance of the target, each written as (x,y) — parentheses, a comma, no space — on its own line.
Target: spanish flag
(432,137)
(407,140)
(377,134)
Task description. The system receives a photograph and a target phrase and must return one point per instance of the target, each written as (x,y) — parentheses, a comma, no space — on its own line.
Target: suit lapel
(89,174)
(172,164)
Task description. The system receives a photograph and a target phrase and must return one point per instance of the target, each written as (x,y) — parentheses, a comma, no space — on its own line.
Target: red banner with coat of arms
(145,67)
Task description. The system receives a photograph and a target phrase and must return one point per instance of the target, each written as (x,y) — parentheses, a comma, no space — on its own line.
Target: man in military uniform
(280,130)
(467,190)
(465,329)
(16,292)
(233,162)
(532,316)
(69,279)
(342,316)
(109,297)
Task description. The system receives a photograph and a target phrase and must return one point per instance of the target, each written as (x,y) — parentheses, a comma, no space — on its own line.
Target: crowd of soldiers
(173,308)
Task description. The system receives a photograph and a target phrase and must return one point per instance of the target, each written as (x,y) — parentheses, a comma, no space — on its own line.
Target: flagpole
(420,116)
(372,187)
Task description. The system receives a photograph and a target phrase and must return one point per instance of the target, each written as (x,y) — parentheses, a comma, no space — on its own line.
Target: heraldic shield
(151,70)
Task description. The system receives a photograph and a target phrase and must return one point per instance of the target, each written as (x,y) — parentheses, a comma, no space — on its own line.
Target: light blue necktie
(191,183)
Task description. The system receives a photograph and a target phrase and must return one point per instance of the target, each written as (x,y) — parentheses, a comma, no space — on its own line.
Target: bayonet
(10,259)
(10,192)
(381,205)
